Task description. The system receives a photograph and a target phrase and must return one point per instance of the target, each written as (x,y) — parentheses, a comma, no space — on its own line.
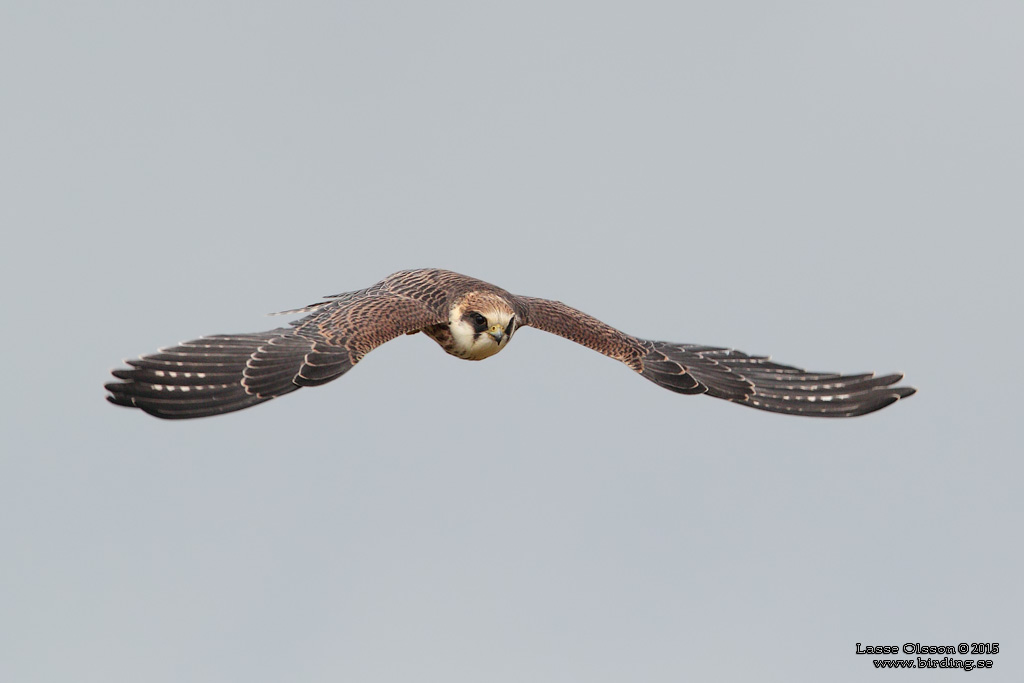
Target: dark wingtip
(119,399)
(905,392)
(884,399)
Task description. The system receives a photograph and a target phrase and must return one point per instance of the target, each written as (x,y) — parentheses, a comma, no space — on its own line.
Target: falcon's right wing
(227,372)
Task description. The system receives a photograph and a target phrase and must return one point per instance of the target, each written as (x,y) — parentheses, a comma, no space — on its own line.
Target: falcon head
(481,323)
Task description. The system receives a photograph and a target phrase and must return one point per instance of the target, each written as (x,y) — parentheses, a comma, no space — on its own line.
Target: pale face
(480,328)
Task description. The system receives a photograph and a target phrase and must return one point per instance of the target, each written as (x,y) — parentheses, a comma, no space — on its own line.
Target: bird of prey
(473,320)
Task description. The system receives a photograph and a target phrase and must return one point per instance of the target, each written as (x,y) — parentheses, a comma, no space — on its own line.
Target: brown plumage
(473,320)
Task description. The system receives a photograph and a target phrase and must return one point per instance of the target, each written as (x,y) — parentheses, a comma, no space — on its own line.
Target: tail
(224,373)
(760,383)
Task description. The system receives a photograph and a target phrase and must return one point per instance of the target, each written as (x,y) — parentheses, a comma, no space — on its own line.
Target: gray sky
(837,184)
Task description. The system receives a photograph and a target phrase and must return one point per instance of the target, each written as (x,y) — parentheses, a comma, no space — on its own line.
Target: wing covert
(575,325)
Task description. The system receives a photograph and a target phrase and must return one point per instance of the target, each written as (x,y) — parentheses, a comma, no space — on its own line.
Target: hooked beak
(497,333)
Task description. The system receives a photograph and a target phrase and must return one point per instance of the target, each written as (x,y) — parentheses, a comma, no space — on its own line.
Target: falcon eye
(478,320)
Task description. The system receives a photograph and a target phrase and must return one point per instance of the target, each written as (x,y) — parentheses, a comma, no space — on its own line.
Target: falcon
(472,320)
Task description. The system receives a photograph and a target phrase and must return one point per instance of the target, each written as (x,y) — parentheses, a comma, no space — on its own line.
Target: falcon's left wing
(754,381)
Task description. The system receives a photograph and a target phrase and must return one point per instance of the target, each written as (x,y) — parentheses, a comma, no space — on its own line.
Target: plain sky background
(840,185)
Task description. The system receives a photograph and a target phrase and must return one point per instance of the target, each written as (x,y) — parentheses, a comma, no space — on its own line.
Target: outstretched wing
(228,372)
(754,381)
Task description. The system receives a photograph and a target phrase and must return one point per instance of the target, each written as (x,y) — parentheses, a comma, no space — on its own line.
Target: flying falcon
(473,320)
